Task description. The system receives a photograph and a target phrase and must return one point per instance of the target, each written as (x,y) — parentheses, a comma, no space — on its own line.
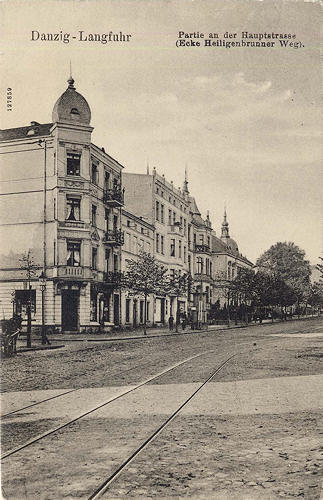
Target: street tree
(145,276)
(29,268)
(225,289)
(320,268)
(177,286)
(243,290)
(286,262)
(315,296)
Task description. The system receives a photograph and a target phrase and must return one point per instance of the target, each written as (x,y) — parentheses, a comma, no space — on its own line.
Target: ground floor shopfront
(63,306)
(85,306)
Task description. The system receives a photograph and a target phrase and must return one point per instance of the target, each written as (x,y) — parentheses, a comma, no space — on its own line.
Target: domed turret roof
(232,245)
(71,107)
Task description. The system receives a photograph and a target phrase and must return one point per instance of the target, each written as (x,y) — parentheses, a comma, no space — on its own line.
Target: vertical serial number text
(9,99)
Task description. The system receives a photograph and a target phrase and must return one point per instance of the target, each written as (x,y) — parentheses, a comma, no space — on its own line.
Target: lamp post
(42,284)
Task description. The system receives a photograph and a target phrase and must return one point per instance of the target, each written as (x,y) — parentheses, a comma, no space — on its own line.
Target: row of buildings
(72,210)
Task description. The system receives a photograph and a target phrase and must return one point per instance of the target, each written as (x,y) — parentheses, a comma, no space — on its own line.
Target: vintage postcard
(161,241)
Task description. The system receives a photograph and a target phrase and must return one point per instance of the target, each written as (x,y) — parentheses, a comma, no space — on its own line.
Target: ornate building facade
(61,200)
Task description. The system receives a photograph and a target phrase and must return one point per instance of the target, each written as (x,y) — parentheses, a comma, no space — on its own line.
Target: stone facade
(62,199)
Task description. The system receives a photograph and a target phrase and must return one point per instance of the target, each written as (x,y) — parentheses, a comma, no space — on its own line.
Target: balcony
(202,248)
(113,197)
(71,272)
(114,237)
(176,229)
(75,224)
(203,277)
(112,277)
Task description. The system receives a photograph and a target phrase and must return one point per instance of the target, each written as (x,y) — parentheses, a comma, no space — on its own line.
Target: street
(72,416)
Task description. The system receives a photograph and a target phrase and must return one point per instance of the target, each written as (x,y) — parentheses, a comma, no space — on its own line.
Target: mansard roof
(35,129)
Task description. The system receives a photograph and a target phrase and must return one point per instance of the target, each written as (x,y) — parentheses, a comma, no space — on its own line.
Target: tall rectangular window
(93,215)
(172,248)
(169,217)
(162,213)
(127,310)
(162,244)
(141,311)
(184,254)
(115,263)
(94,174)
(157,242)
(22,299)
(174,217)
(106,180)
(73,208)
(180,249)
(73,163)
(94,306)
(107,258)
(73,253)
(54,254)
(94,257)
(157,210)
(115,223)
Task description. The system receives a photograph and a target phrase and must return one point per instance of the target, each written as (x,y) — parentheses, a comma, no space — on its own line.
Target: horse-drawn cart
(9,333)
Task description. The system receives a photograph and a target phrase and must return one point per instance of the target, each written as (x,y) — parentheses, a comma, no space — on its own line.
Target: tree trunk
(145,315)
(228,313)
(177,316)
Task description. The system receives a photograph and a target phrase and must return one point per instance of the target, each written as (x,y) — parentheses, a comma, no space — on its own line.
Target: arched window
(75,111)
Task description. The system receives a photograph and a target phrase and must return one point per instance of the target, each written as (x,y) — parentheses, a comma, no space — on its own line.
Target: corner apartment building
(61,198)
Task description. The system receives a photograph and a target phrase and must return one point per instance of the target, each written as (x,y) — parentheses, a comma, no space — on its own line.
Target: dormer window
(75,111)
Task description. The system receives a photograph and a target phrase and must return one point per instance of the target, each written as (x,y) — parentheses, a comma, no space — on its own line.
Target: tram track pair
(68,392)
(101,490)
(97,407)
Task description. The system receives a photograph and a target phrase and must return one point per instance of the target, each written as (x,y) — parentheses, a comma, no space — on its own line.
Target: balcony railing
(203,277)
(77,224)
(114,237)
(112,277)
(113,197)
(71,271)
(202,248)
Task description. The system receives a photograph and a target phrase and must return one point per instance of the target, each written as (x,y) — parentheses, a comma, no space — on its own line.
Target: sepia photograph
(161,250)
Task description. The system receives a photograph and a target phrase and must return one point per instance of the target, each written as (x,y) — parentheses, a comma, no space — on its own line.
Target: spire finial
(147,166)
(225,224)
(70,81)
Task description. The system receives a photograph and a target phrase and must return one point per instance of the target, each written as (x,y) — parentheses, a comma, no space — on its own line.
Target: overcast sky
(245,121)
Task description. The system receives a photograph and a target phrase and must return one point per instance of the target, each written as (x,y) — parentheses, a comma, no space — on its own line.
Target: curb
(39,348)
(158,335)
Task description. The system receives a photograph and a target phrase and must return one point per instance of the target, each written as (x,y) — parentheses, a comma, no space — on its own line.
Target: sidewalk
(138,333)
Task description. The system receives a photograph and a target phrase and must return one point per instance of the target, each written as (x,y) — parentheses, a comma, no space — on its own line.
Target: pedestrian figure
(171,323)
(184,320)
